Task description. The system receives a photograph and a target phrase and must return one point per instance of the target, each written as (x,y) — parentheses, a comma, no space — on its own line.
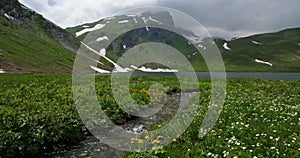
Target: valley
(49,106)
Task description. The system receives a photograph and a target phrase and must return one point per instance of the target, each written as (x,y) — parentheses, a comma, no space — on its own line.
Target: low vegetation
(259,119)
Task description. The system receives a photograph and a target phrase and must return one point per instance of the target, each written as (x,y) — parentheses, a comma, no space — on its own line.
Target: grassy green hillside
(30,43)
(23,50)
(282,49)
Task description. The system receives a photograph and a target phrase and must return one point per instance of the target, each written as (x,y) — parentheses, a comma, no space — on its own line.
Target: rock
(138,128)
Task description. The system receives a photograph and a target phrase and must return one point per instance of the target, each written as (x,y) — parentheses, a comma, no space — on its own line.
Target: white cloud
(70,13)
(232,18)
(228,34)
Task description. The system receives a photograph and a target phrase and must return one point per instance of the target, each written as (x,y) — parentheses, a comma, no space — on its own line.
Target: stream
(93,148)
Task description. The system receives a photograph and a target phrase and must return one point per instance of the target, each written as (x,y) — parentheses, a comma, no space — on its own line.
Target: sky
(221,18)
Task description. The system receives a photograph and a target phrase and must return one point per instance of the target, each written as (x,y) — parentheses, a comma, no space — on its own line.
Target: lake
(254,75)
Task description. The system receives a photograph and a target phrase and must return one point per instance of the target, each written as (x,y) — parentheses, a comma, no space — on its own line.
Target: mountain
(271,52)
(30,43)
(278,51)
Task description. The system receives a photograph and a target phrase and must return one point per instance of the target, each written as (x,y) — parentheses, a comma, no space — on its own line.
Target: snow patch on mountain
(193,39)
(131,15)
(97,27)
(2,71)
(123,21)
(144,69)
(201,46)
(145,20)
(150,18)
(102,38)
(24,7)
(99,70)
(109,18)
(102,52)
(263,62)
(225,45)
(97,61)
(256,43)
(9,17)
(135,20)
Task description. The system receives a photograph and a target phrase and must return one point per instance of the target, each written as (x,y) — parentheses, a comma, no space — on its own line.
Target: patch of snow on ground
(24,7)
(147,28)
(107,22)
(102,52)
(97,27)
(2,71)
(8,16)
(109,18)
(131,15)
(256,43)
(124,46)
(145,20)
(85,26)
(225,45)
(263,62)
(134,67)
(127,69)
(153,19)
(135,20)
(193,39)
(99,70)
(123,21)
(298,44)
(98,62)
(102,38)
(144,69)
(200,46)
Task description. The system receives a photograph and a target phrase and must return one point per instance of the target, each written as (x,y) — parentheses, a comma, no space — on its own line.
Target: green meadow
(260,118)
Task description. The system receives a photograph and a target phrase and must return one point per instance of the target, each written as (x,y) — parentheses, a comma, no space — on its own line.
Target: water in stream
(92,147)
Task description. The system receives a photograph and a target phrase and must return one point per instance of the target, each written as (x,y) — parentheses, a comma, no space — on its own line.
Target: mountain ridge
(269,52)
(31,43)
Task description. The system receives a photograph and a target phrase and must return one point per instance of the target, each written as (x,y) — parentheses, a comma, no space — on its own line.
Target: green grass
(280,48)
(32,50)
(260,117)
(37,113)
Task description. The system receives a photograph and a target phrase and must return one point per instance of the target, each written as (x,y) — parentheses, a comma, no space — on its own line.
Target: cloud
(52,2)
(224,18)
(67,13)
(239,18)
